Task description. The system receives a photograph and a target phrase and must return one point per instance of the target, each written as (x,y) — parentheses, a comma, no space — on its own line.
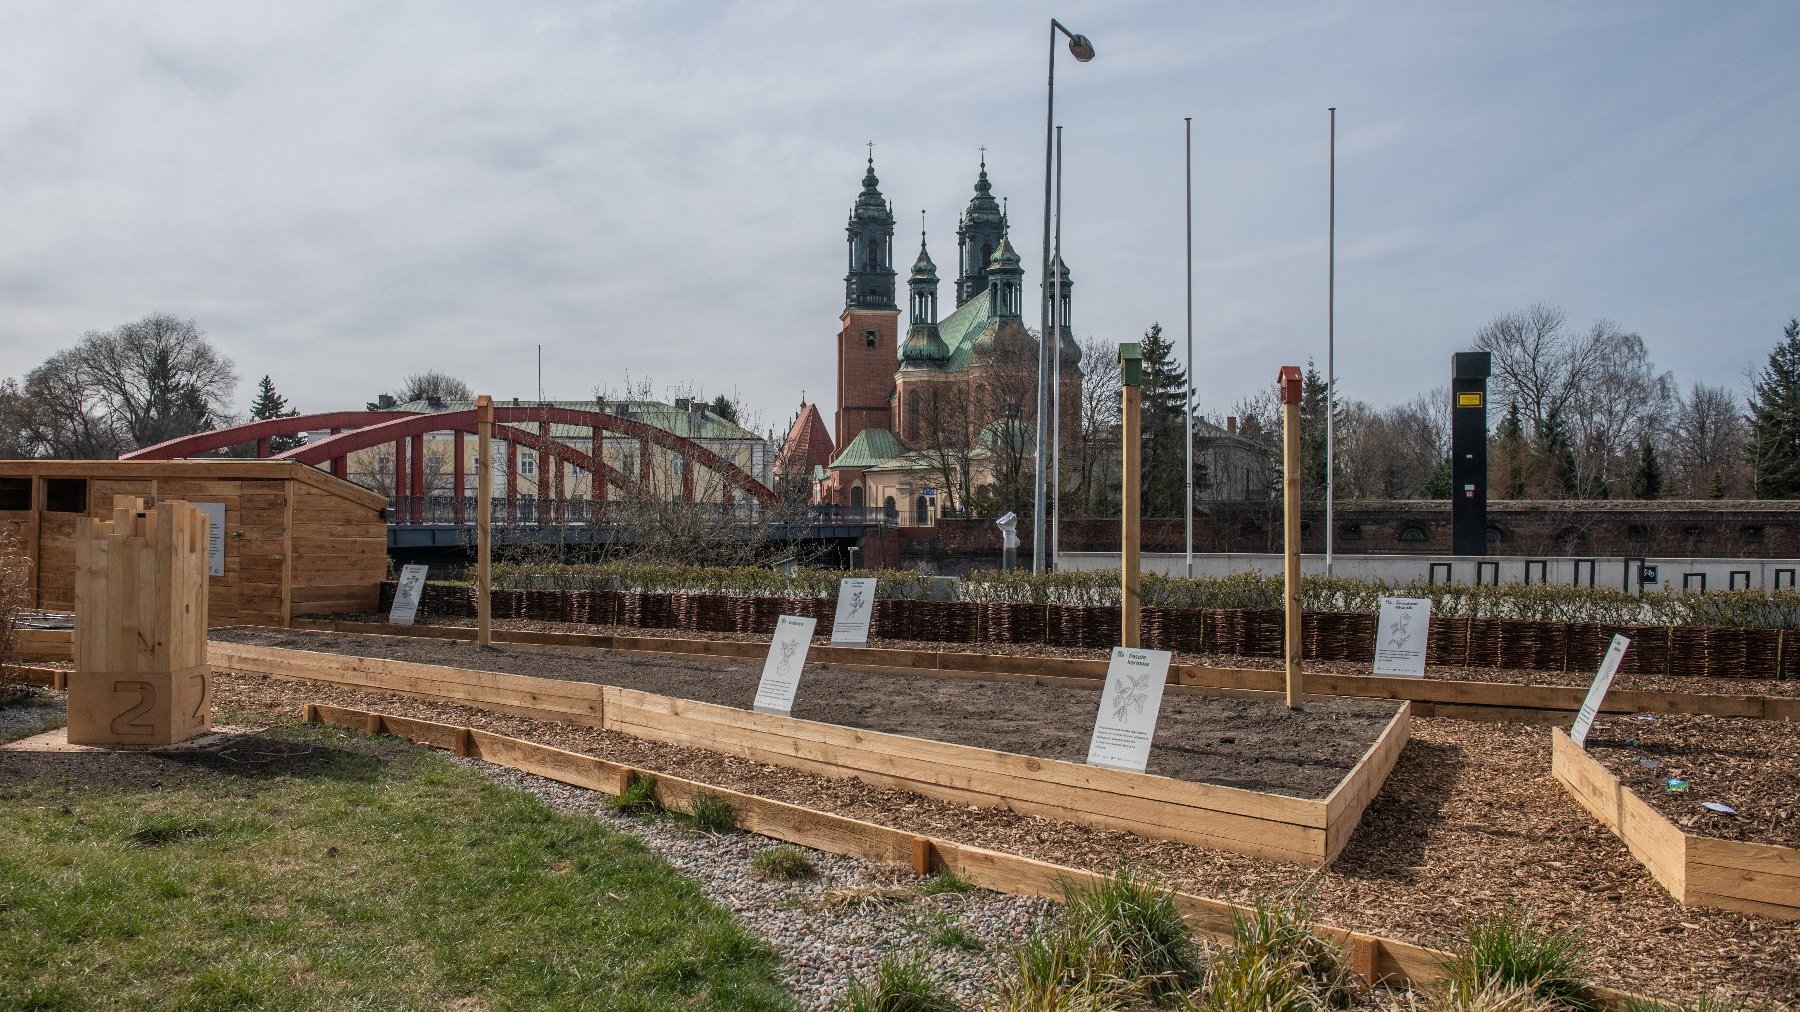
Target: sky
(344,193)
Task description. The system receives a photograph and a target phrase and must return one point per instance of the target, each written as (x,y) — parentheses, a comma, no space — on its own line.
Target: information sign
(215,536)
(1128,709)
(1400,636)
(1590,707)
(781,669)
(855,603)
(406,595)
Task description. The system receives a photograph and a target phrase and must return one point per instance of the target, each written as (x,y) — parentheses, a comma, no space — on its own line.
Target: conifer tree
(1314,404)
(269,405)
(1775,421)
(1164,480)
(1646,478)
(1511,457)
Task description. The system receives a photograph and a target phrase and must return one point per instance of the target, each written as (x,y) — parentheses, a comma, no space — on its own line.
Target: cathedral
(926,423)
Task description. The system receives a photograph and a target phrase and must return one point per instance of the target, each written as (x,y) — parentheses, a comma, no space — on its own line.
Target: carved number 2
(200,697)
(125,724)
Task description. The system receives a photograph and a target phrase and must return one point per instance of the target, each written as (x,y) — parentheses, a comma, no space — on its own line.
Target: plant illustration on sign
(1402,629)
(1133,693)
(856,602)
(787,654)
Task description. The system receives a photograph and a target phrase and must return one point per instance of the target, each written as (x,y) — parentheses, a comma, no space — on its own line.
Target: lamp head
(1081,48)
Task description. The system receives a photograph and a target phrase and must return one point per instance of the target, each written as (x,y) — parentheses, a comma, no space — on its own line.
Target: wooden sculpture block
(141,676)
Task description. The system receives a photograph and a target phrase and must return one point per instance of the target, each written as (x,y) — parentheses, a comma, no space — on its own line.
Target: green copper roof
(960,328)
(870,448)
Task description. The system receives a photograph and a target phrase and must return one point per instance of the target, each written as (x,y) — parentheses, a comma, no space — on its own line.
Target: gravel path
(832,929)
(41,713)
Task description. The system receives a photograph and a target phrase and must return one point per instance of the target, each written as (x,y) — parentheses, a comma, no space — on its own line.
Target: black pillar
(1468,452)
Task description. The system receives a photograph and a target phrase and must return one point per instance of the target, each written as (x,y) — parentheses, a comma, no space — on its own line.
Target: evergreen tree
(269,405)
(1511,457)
(1775,421)
(724,408)
(1715,489)
(1164,482)
(1558,454)
(1315,402)
(1437,484)
(1646,478)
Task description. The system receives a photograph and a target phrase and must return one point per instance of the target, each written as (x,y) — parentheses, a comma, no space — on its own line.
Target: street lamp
(1083,51)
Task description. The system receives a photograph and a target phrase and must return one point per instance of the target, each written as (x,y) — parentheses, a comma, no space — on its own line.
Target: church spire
(978,234)
(924,347)
(870,233)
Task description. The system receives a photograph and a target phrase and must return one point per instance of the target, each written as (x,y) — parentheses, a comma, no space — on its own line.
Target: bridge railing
(524,511)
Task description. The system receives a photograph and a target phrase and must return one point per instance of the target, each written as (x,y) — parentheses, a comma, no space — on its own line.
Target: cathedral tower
(978,235)
(868,340)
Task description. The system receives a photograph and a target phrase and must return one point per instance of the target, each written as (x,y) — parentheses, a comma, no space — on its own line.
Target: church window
(869,335)
(856,497)
(921,511)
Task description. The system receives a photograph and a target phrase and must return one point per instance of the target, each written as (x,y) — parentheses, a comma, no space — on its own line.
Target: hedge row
(1248,632)
(1750,609)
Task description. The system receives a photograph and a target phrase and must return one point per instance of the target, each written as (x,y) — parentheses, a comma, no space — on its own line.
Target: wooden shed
(294,541)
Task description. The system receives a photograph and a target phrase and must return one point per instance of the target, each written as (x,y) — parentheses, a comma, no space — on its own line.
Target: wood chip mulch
(1469,821)
(1753,766)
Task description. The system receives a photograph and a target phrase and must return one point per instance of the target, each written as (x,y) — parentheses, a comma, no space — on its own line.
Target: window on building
(1495,535)
(1412,532)
(66,495)
(1751,533)
(921,511)
(15,493)
(856,496)
(527,466)
(889,504)
(869,335)
(1637,532)
(1350,530)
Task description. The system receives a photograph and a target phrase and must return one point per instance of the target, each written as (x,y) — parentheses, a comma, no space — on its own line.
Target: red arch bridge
(422,518)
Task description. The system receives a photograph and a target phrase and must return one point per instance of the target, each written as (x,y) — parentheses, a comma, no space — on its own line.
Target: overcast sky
(343,193)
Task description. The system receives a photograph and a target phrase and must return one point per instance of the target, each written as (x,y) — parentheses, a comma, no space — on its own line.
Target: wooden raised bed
(1300,830)
(1697,870)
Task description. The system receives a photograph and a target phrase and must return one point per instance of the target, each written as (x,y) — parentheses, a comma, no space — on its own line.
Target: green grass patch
(638,798)
(945,882)
(712,814)
(903,983)
(311,868)
(1508,950)
(783,863)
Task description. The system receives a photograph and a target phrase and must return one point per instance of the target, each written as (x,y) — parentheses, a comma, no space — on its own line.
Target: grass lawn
(312,868)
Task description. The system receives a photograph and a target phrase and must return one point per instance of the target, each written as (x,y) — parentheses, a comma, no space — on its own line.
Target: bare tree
(433,386)
(1709,438)
(1091,487)
(1537,363)
(157,378)
(1391,453)
(1003,386)
(947,440)
(58,414)
(1620,404)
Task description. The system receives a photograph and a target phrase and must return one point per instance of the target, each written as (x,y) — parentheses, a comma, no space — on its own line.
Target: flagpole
(1188,409)
(1331,347)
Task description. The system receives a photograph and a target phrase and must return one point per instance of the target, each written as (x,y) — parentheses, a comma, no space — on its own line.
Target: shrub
(1282,934)
(1509,950)
(901,984)
(785,863)
(638,798)
(711,814)
(1137,926)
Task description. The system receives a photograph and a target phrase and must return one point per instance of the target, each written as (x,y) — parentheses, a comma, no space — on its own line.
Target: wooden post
(484,512)
(141,674)
(1288,386)
(1131,367)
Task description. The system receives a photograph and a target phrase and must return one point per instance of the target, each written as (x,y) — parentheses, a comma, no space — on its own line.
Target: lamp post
(1083,51)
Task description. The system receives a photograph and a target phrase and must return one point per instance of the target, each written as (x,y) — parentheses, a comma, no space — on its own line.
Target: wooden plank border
(1300,830)
(1380,960)
(1696,870)
(1432,697)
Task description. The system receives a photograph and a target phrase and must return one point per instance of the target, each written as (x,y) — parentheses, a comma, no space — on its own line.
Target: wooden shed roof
(227,468)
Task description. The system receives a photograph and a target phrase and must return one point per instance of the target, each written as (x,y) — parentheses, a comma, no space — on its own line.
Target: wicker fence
(1472,642)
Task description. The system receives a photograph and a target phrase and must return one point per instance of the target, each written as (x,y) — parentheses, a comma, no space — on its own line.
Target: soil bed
(1750,765)
(1254,743)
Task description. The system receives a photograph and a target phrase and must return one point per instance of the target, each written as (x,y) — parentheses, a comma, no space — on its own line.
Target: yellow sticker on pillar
(1471,399)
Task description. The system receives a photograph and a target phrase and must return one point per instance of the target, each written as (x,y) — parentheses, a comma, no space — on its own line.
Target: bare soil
(1751,765)
(1254,743)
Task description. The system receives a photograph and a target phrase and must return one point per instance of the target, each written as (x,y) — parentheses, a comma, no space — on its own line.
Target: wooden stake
(1131,436)
(1289,383)
(484,497)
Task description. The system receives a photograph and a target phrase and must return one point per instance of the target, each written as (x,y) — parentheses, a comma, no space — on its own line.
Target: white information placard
(781,669)
(215,536)
(406,595)
(1400,636)
(1128,708)
(1590,707)
(856,602)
